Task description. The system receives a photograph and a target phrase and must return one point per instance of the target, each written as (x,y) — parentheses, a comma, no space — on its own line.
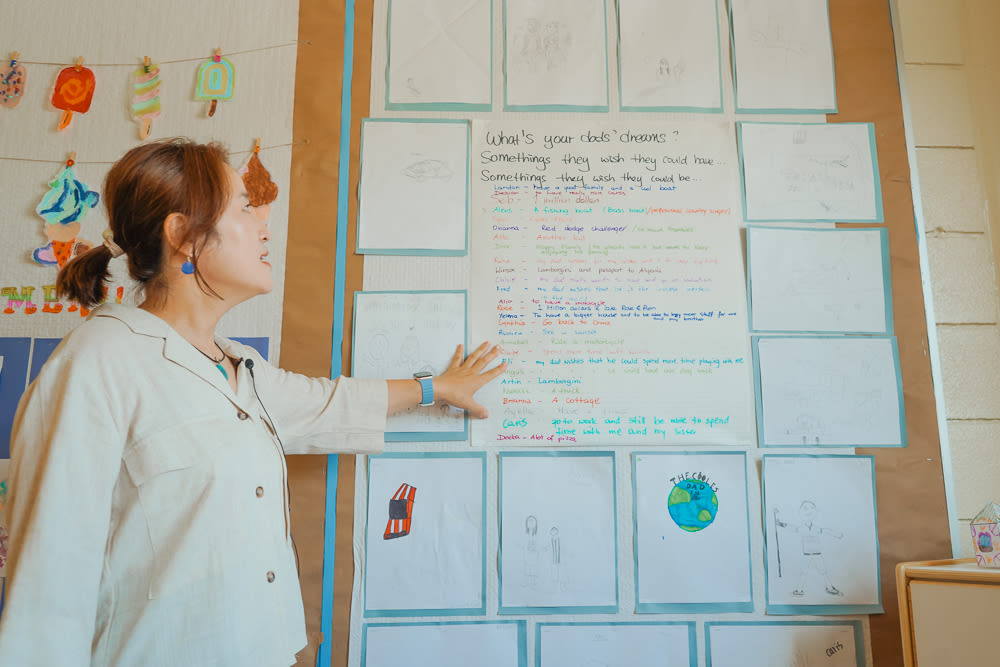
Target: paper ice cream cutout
(261,190)
(12,80)
(146,97)
(216,78)
(63,207)
(73,92)
(400,512)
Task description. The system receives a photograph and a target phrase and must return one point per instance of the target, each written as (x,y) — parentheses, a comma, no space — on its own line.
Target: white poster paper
(613,256)
(424,541)
(557,532)
(692,532)
(669,54)
(796,644)
(822,541)
(810,172)
(818,280)
(555,54)
(832,391)
(616,645)
(444,644)
(413,195)
(783,52)
(439,53)
(397,334)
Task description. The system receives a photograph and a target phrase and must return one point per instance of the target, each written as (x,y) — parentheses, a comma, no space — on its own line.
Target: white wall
(951,77)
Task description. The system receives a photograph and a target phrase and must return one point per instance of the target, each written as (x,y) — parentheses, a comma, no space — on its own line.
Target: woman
(148,506)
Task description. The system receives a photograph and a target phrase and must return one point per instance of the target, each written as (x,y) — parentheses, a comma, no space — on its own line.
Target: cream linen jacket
(148,508)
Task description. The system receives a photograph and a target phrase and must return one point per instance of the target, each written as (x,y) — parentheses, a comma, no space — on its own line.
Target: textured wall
(113,37)
(950,67)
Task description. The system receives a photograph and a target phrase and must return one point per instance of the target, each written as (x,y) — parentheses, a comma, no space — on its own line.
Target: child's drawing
(423,169)
(410,356)
(531,555)
(556,554)
(811,538)
(400,512)
(774,37)
(557,530)
(542,46)
(377,353)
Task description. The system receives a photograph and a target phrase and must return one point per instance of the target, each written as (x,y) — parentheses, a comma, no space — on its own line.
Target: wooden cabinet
(947,610)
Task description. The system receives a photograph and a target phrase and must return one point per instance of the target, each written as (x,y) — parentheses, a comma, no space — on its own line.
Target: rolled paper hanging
(146,96)
(12,79)
(261,190)
(216,78)
(73,92)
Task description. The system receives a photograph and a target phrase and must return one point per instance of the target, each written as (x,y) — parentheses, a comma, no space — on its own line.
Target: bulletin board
(912,516)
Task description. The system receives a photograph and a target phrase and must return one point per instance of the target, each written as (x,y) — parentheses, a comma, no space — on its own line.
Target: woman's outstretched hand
(456,385)
(459,382)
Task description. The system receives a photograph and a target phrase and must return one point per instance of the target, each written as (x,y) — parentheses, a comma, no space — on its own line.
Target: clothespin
(256,146)
(146,62)
(79,63)
(218,55)
(72,159)
(13,58)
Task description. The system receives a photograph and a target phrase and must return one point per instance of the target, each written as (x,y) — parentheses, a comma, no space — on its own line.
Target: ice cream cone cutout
(73,92)
(216,78)
(146,96)
(261,190)
(12,80)
(63,207)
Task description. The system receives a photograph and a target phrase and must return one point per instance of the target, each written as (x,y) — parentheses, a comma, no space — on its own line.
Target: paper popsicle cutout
(146,97)
(261,190)
(12,80)
(216,78)
(74,91)
(63,207)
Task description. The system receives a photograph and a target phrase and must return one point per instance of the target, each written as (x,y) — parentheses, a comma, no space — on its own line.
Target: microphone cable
(274,429)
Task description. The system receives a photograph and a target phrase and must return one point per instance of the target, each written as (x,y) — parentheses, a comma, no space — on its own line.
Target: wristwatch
(426,381)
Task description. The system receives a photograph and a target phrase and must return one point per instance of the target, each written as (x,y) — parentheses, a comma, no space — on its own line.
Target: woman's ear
(174,229)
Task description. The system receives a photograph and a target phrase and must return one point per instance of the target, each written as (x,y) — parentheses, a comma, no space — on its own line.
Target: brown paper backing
(912,517)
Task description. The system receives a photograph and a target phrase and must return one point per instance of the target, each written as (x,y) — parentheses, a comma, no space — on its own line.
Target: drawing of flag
(400,512)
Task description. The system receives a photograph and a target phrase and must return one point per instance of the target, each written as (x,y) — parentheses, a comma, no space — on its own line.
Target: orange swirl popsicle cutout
(73,92)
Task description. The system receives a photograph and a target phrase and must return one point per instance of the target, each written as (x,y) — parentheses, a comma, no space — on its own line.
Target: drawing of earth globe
(692,505)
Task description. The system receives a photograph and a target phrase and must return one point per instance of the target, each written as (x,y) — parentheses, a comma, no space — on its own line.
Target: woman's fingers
(466,375)
(486,359)
(456,358)
(476,354)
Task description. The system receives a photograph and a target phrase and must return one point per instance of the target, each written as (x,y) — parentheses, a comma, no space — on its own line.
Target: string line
(26,159)
(162,62)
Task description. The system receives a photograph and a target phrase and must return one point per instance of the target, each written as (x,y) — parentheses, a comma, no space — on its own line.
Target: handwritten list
(608,262)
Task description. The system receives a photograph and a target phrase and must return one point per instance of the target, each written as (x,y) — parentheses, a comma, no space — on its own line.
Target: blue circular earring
(187,268)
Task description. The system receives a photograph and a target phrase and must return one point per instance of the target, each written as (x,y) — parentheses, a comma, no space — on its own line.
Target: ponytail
(82,279)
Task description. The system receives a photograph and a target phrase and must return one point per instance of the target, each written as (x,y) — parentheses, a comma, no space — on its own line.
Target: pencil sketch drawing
(811,541)
(531,555)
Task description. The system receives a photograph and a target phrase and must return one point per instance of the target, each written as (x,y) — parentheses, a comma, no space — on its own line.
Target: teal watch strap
(426,381)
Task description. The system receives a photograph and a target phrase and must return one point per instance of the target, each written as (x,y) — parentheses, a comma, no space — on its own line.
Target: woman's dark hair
(141,189)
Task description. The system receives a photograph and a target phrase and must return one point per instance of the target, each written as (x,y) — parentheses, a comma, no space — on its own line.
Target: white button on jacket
(139,532)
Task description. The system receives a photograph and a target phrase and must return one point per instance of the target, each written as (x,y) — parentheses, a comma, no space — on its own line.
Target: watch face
(423,374)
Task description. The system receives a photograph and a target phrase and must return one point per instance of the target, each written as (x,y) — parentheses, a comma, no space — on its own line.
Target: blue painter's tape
(336,362)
